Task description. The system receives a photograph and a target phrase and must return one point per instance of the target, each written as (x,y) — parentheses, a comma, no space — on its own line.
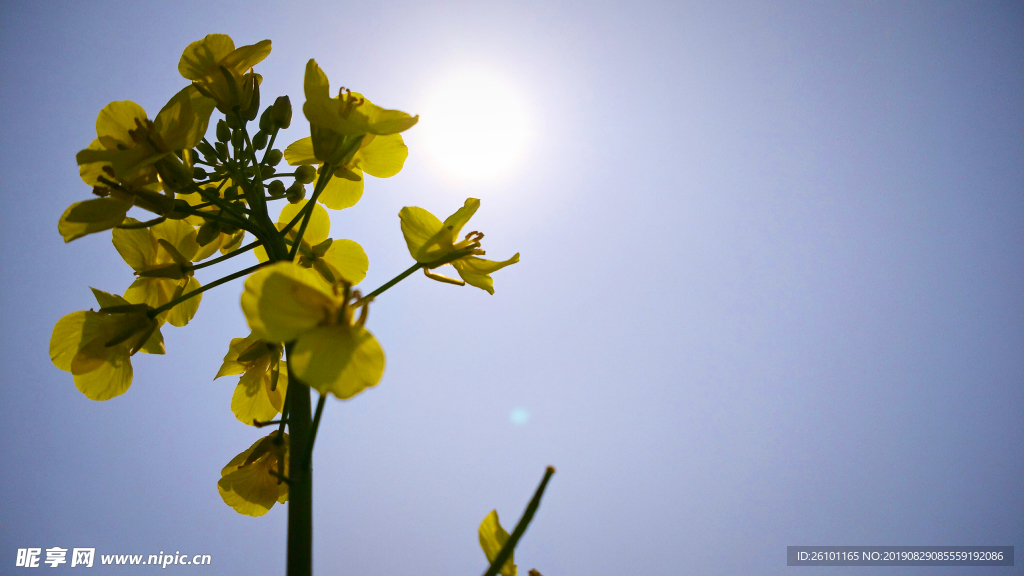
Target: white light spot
(519,416)
(474,125)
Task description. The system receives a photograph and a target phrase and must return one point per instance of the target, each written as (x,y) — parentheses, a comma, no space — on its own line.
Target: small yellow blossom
(251,482)
(161,257)
(433,244)
(351,134)
(222,72)
(334,260)
(96,347)
(492,538)
(262,388)
(332,352)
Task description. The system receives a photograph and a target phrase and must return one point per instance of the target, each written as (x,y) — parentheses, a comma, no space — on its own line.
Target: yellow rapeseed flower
(222,72)
(262,388)
(134,149)
(123,163)
(96,347)
(351,134)
(251,482)
(161,257)
(433,244)
(332,352)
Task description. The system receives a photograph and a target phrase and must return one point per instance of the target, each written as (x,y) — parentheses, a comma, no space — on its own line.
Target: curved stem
(228,256)
(156,311)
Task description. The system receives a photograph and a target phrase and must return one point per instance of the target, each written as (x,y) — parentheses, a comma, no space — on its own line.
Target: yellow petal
(153,292)
(455,222)
(183,313)
(182,123)
(319,226)
(475,271)
(254,400)
(179,234)
(107,300)
(384,156)
(492,538)
(382,121)
(66,339)
(109,379)
(341,360)
(91,172)
(283,300)
(420,229)
(249,487)
(246,57)
(348,260)
(91,216)
(301,152)
(114,122)
(315,83)
(341,193)
(202,56)
(231,365)
(136,246)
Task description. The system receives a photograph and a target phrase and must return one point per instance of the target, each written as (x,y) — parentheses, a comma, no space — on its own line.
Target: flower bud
(198,173)
(232,121)
(223,131)
(259,141)
(282,115)
(222,149)
(268,171)
(179,210)
(305,174)
(267,119)
(207,151)
(238,139)
(274,157)
(276,188)
(174,175)
(254,102)
(208,232)
(296,192)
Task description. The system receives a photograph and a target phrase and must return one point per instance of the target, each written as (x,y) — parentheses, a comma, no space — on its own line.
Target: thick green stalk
(300,473)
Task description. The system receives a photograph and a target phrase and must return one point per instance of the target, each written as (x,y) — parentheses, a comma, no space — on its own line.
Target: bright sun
(474,125)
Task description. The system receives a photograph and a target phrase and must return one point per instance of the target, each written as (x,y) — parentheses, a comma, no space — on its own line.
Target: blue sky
(770,291)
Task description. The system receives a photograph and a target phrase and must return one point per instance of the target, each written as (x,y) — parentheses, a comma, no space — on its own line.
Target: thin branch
(510,544)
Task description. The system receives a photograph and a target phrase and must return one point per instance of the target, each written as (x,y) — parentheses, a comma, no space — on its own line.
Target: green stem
(393,281)
(156,311)
(228,256)
(326,171)
(300,488)
(223,205)
(270,145)
(524,521)
(145,224)
(315,427)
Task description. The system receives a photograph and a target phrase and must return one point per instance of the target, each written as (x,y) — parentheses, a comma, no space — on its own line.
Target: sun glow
(475,126)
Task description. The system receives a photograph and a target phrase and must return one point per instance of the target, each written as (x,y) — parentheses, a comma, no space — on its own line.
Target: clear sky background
(770,292)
